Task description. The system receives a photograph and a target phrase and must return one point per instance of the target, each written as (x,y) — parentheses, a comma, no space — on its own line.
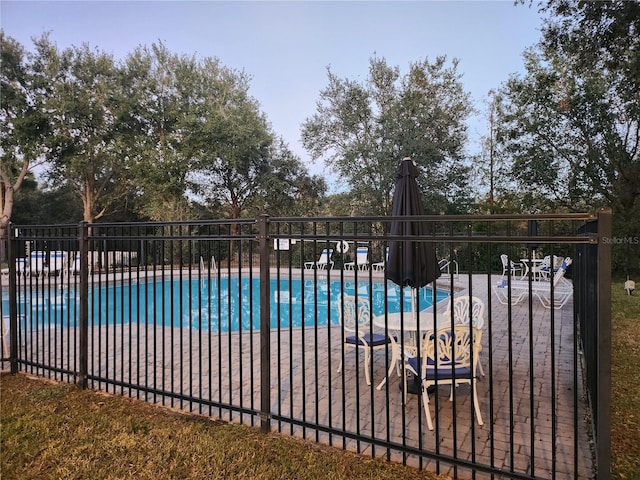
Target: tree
(364,130)
(160,86)
(24,124)
(228,140)
(288,189)
(571,123)
(84,110)
(53,206)
(488,165)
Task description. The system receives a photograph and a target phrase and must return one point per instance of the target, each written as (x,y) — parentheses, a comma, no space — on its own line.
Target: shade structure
(411,262)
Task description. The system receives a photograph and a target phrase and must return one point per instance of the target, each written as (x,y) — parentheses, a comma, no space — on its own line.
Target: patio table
(405,326)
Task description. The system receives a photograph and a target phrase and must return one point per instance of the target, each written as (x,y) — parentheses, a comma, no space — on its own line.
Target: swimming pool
(217,305)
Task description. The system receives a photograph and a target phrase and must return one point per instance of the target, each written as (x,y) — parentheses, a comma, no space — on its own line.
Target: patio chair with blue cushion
(545,266)
(361,262)
(448,356)
(356,322)
(323,261)
(461,312)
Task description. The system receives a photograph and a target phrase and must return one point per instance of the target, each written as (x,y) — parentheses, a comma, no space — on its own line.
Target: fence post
(265,325)
(603,422)
(81,378)
(13,304)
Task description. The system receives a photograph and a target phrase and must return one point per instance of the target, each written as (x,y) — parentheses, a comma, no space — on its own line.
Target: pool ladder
(213,266)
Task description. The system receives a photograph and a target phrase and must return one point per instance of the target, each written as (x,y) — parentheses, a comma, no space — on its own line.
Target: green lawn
(625,388)
(55,431)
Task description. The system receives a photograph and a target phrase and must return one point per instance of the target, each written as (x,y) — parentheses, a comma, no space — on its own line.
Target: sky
(285,47)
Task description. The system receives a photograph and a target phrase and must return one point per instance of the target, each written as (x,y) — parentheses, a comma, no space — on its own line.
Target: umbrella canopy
(410,262)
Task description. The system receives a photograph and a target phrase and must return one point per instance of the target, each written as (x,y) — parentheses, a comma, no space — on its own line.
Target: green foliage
(570,125)
(83,102)
(158,136)
(46,207)
(25,126)
(363,130)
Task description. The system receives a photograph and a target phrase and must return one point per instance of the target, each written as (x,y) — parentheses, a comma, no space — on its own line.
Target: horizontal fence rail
(250,321)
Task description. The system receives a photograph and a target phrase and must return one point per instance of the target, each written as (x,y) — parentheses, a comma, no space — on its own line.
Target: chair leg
(425,402)
(395,359)
(367,365)
(477,404)
(480,368)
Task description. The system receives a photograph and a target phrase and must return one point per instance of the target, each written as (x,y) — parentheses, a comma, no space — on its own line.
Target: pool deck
(528,409)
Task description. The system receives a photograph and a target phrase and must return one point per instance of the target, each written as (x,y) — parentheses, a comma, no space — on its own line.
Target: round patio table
(405,326)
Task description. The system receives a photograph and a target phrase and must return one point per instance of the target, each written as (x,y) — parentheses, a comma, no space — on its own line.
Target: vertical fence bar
(81,378)
(603,420)
(265,330)
(13,303)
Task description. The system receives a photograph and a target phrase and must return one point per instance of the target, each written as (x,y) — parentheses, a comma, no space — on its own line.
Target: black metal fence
(242,320)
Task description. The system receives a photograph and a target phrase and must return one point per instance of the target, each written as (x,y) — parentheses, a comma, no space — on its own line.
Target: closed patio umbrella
(411,263)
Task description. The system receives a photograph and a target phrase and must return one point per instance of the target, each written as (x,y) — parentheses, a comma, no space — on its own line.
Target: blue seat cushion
(444,373)
(374,340)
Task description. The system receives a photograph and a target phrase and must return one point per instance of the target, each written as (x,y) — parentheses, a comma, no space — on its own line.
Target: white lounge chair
(22,267)
(57,262)
(379,266)
(515,291)
(37,263)
(73,268)
(361,262)
(323,261)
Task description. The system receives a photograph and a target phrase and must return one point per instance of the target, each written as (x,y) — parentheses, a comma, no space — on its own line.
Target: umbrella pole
(413,309)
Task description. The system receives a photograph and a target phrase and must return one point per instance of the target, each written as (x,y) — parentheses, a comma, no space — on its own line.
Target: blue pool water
(226,304)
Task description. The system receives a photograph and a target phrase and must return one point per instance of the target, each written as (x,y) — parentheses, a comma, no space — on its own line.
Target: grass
(55,431)
(625,388)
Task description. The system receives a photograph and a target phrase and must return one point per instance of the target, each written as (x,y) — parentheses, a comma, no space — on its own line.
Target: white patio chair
(356,322)
(510,265)
(323,261)
(461,315)
(447,357)
(362,260)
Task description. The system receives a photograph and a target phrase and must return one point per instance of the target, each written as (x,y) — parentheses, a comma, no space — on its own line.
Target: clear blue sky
(285,47)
